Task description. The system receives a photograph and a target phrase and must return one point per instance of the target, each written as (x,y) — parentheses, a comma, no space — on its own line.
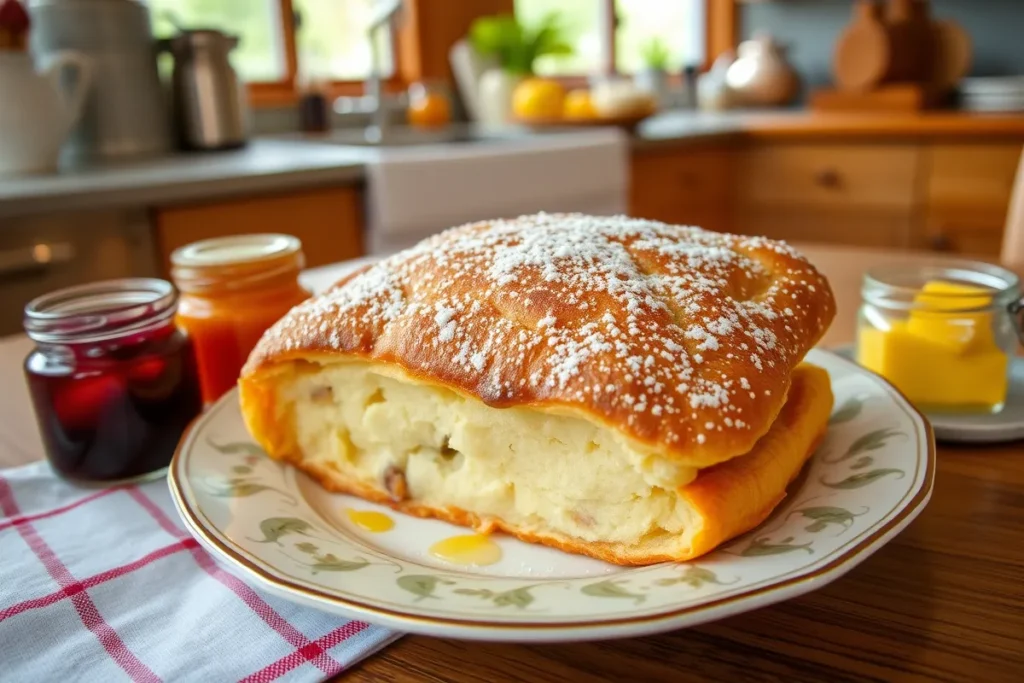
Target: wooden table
(943,601)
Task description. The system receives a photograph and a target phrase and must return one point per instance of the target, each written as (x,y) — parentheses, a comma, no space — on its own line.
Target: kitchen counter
(261,166)
(689,127)
(291,162)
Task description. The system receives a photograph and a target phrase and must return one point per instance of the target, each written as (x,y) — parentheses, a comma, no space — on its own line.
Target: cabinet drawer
(39,254)
(829,175)
(966,231)
(328,221)
(858,227)
(976,176)
(967,194)
(682,185)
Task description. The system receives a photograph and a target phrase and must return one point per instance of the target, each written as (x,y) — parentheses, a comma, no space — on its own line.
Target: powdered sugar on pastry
(672,333)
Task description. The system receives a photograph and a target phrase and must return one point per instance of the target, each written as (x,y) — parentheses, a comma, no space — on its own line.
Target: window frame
(720,35)
(285,91)
(720,30)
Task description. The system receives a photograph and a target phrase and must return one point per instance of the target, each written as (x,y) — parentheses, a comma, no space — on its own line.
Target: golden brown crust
(682,339)
(729,499)
(735,496)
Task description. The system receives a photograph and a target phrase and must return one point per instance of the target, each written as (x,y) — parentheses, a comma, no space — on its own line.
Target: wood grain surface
(944,601)
(942,124)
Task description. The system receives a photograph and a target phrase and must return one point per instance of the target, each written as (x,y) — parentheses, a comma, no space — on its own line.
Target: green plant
(655,54)
(515,46)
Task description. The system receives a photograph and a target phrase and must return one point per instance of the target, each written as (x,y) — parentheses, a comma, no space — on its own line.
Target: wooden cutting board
(951,55)
(863,52)
(910,34)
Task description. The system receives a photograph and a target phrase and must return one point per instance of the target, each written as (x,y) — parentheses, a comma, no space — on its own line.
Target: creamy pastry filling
(544,470)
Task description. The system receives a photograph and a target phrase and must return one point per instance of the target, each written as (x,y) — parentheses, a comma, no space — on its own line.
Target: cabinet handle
(827,178)
(37,257)
(940,242)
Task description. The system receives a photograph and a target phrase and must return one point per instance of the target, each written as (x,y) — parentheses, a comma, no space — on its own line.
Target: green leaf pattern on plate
(611,589)
(695,577)
(824,515)
(763,546)
(237,448)
(273,528)
(849,410)
(329,562)
(247,482)
(421,585)
(870,441)
(517,597)
(855,481)
(241,488)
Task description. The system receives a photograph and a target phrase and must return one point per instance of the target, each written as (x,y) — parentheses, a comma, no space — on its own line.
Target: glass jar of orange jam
(943,333)
(232,290)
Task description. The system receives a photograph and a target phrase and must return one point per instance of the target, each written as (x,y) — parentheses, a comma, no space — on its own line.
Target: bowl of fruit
(544,102)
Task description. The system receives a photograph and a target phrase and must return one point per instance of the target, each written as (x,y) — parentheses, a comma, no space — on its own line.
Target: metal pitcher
(124,112)
(209,101)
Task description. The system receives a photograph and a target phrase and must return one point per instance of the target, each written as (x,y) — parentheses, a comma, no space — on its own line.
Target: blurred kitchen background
(128,129)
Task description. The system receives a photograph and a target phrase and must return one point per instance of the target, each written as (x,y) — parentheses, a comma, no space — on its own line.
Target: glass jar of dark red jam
(112,379)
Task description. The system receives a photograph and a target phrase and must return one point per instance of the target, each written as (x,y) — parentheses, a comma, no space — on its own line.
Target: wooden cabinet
(846,194)
(828,176)
(937,195)
(967,191)
(856,227)
(683,185)
(329,221)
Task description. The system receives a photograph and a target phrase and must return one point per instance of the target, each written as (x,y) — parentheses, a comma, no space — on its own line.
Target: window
(260,55)
(678,23)
(582,20)
(282,42)
(331,41)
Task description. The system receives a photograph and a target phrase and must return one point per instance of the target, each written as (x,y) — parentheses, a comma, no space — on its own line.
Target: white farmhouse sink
(405,136)
(420,182)
(414,191)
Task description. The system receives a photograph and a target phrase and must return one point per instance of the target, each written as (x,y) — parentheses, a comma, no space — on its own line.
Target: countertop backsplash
(810,28)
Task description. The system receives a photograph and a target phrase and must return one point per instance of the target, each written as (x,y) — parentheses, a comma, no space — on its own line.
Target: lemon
(578,105)
(537,99)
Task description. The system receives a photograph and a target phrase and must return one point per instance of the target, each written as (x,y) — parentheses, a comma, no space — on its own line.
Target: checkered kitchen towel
(105,585)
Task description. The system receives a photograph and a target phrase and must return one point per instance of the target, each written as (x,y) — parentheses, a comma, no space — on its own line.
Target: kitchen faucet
(374,100)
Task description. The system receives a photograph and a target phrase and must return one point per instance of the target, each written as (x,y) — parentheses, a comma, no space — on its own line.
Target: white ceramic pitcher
(36,111)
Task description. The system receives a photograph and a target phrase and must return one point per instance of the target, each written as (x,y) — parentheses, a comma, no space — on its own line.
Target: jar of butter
(942,333)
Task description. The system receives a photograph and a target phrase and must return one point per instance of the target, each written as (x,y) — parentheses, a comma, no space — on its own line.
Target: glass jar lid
(234,263)
(100,311)
(897,287)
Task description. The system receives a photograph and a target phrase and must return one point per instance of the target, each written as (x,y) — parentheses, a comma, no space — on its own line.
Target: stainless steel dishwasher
(39,254)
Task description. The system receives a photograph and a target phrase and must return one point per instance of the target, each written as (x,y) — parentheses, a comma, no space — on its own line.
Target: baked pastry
(616,387)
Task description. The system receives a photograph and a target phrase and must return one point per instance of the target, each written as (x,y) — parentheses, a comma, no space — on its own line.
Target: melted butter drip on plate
(370,520)
(473,549)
